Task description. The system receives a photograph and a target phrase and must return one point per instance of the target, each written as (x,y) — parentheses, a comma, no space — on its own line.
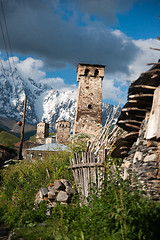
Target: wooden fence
(88,172)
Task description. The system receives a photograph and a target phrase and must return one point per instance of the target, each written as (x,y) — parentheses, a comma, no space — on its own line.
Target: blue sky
(50,37)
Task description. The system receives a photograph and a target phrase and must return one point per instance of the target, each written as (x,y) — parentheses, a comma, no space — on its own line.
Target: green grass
(7,139)
(120,212)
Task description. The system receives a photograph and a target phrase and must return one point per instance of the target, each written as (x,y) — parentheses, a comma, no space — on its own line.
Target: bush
(119,212)
(22,181)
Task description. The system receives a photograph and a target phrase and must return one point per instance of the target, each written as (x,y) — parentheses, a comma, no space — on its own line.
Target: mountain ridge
(43,102)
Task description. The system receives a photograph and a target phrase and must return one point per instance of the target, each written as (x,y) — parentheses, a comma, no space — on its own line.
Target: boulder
(70,191)
(43,192)
(58,185)
(51,194)
(62,197)
(66,182)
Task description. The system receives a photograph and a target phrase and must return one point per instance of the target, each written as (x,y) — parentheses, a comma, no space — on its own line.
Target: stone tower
(63,129)
(42,132)
(88,117)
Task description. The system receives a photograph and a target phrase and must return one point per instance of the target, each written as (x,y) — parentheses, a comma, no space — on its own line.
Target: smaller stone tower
(88,117)
(63,129)
(42,132)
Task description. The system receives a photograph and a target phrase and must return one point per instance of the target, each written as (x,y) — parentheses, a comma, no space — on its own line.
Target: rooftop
(51,147)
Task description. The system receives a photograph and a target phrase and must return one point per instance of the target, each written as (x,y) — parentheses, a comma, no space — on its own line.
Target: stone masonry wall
(42,130)
(88,117)
(63,129)
(143,163)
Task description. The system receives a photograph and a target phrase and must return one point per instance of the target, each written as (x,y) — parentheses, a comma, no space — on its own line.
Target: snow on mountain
(43,102)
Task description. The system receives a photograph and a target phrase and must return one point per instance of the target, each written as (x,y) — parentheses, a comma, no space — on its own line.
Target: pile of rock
(60,191)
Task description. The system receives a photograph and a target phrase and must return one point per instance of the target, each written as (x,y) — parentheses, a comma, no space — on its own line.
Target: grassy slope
(10,125)
(7,139)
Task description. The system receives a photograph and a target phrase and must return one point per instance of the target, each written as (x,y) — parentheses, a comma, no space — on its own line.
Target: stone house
(139,145)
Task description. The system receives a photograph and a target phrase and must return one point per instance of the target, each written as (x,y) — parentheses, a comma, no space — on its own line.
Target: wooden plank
(155,64)
(153,126)
(140,95)
(133,109)
(157,49)
(129,121)
(139,102)
(143,86)
(132,126)
(83,165)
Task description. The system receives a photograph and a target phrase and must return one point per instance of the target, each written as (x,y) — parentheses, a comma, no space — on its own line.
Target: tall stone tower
(42,132)
(63,129)
(88,117)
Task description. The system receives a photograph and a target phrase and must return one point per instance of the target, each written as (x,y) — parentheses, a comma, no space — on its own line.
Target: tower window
(96,73)
(89,106)
(86,72)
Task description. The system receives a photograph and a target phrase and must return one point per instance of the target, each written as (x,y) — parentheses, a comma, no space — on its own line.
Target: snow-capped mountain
(43,102)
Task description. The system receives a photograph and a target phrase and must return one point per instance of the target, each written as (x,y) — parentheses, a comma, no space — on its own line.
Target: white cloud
(115,82)
(111,91)
(58,83)
(31,68)
(139,64)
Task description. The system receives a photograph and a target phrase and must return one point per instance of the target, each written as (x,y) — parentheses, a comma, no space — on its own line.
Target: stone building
(88,117)
(140,143)
(63,130)
(42,132)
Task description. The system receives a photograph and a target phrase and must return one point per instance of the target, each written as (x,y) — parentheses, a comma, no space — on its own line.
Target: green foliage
(79,142)
(7,139)
(32,138)
(120,213)
(117,212)
(22,181)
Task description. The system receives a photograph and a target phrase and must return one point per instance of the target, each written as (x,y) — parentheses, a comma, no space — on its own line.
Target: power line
(5,22)
(5,45)
(10,47)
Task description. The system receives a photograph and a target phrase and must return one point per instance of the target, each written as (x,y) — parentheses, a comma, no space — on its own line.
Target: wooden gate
(88,172)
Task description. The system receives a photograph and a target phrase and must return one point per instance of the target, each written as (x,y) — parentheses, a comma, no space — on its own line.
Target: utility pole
(22,130)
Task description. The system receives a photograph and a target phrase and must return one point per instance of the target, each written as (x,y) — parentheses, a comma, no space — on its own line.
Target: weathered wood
(131,135)
(87,172)
(157,49)
(133,109)
(143,86)
(124,148)
(130,121)
(105,130)
(156,64)
(83,165)
(22,131)
(140,95)
(132,126)
(153,127)
(140,102)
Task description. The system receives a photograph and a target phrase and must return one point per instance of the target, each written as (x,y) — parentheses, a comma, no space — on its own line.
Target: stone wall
(42,131)
(88,117)
(143,163)
(63,130)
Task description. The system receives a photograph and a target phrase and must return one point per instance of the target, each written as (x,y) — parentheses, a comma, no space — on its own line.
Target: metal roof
(52,147)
